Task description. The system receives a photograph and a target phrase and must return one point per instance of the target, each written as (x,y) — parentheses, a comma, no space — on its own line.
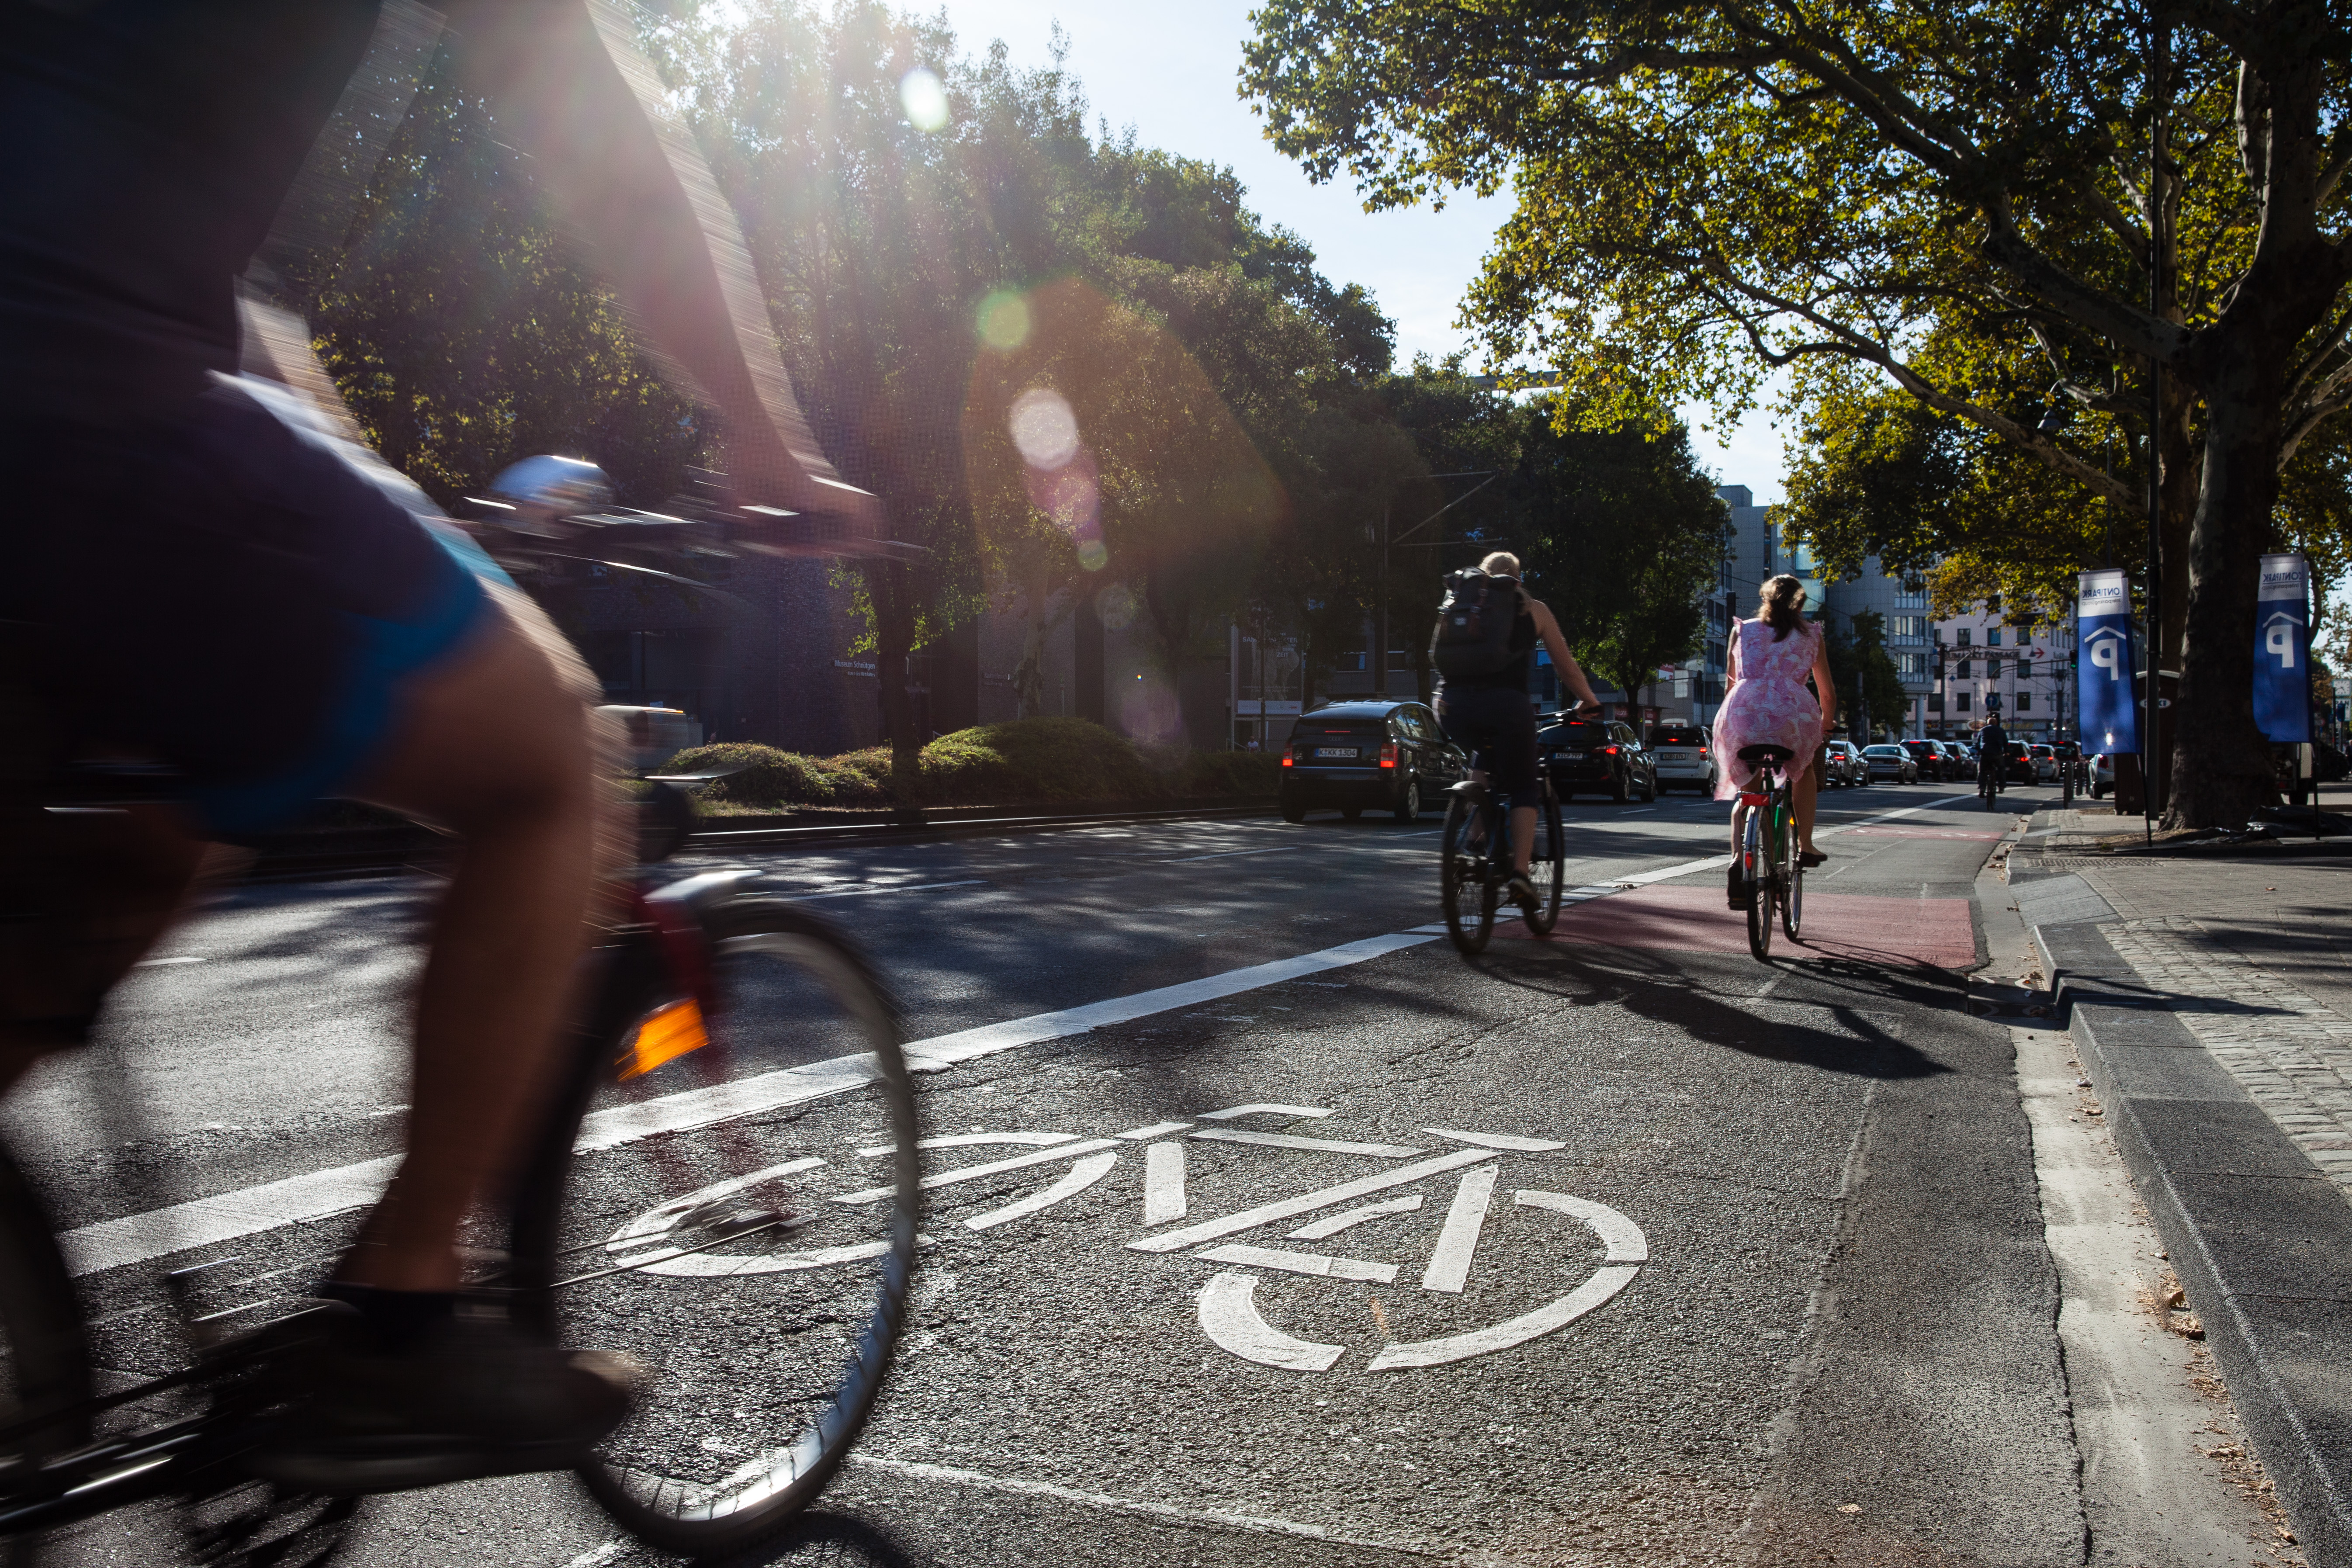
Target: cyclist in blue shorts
(204,575)
(1493,717)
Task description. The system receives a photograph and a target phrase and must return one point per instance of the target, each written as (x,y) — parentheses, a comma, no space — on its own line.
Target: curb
(2261,1238)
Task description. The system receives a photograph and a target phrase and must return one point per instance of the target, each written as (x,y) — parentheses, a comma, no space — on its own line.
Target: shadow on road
(825,1537)
(1651,983)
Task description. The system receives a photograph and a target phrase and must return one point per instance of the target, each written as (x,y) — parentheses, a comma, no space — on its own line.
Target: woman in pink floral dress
(1768,705)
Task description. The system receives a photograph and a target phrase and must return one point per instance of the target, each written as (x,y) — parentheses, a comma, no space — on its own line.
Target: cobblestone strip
(2292,1054)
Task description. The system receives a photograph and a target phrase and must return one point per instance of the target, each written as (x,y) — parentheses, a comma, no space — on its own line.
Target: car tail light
(1389,755)
(1286,759)
(1608,751)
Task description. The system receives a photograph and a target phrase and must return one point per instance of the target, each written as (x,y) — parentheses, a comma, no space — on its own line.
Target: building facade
(1901,609)
(1986,665)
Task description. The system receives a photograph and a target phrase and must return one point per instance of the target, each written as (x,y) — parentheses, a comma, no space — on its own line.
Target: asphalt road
(1779,1225)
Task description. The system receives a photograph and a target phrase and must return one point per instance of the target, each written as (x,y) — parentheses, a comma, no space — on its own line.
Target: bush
(1026,762)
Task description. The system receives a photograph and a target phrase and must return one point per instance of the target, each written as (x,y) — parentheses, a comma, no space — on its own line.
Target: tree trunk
(1029,676)
(2220,764)
(893,632)
(2176,514)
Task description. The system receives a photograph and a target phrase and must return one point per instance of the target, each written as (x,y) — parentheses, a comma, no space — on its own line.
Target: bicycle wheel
(1548,867)
(44,1362)
(1792,874)
(1466,883)
(731,1201)
(1756,873)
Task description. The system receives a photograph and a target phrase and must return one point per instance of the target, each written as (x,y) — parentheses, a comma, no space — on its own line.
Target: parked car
(1597,756)
(1927,754)
(1960,760)
(2045,761)
(1391,756)
(2070,756)
(1843,767)
(1891,762)
(2328,763)
(2021,768)
(2103,775)
(1680,755)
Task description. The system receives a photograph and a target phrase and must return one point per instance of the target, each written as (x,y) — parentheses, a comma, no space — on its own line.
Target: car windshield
(1882,751)
(1576,733)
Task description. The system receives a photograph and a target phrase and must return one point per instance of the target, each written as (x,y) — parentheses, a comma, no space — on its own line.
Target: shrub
(767,776)
(1035,759)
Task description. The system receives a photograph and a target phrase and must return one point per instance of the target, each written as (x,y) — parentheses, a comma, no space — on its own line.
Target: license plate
(1676,757)
(1348,751)
(1573,756)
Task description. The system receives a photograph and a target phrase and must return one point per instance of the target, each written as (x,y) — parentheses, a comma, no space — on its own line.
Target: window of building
(1993,637)
(1960,669)
(1400,659)
(1960,701)
(1964,636)
(1350,660)
(2024,701)
(1935,704)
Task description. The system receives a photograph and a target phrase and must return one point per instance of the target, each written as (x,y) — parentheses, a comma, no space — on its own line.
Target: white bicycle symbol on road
(1229,1313)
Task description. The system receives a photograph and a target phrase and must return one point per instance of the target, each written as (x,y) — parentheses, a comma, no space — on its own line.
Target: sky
(1170,72)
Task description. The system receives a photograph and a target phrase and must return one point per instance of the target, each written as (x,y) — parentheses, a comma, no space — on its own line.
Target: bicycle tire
(1760,885)
(1548,865)
(797,1338)
(1792,877)
(1465,878)
(43,1357)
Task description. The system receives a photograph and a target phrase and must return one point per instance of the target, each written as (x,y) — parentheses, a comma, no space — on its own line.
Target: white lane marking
(884,887)
(1188,1516)
(1769,986)
(1229,1316)
(946,1050)
(973,1140)
(1316,1230)
(1307,1203)
(1449,1262)
(974,1173)
(1635,812)
(1163,1184)
(1305,1145)
(1717,862)
(1156,1130)
(1498,1141)
(160,963)
(295,1200)
(1621,1236)
(1321,1265)
(597,1557)
(1084,1174)
(1604,1284)
(1229,1111)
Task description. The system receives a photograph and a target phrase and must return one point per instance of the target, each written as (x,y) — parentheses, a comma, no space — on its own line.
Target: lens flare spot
(1044,428)
(1004,320)
(925,99)
(1092,555)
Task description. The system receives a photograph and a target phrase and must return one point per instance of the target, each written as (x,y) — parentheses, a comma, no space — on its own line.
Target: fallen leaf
(1849,1508)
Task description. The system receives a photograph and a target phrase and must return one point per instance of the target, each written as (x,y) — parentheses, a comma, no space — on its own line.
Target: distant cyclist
(1491,715)
(1766,704)
(203,576)
(1993,757)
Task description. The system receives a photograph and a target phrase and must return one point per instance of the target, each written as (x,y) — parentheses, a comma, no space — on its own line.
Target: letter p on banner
(2283,649)
(2104,686)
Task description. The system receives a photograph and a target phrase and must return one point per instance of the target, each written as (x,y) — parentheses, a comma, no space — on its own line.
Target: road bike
(1475,863)
(731,1043)
(1771,868)
(1989,771)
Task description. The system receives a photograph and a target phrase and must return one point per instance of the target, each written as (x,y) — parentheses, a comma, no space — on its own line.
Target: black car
(1597,756)
(1392,756)
(1929,756)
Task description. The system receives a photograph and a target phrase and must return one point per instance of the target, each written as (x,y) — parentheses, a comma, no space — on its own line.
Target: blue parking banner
(2283,650)
(2108,702)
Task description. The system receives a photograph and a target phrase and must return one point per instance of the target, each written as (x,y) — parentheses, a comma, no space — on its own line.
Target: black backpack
(1474,625)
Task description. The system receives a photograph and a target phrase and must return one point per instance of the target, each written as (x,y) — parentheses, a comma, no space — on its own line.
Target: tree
(1713,188)
(1867,681)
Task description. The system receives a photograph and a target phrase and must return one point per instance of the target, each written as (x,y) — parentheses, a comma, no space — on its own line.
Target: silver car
(1684,759)
(1891,763)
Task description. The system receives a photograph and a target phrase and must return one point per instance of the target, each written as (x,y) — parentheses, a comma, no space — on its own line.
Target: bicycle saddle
(1765,754)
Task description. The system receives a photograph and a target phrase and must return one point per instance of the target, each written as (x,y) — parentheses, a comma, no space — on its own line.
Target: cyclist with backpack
(1487,630)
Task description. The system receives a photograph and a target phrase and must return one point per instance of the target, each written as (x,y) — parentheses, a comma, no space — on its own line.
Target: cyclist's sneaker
(1741,897)
(1524,894)
(470,1396)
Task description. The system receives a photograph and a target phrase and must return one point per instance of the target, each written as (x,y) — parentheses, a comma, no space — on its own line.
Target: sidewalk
(2210,989)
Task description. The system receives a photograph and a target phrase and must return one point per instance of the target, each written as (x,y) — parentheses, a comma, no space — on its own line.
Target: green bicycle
(1770,865)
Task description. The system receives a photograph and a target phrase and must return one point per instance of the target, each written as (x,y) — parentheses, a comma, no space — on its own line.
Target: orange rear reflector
(666,1037)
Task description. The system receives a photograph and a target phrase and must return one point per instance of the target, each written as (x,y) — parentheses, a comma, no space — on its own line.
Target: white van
(655,734)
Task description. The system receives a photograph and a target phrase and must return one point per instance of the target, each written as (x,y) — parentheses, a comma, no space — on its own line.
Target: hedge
(1029,761)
